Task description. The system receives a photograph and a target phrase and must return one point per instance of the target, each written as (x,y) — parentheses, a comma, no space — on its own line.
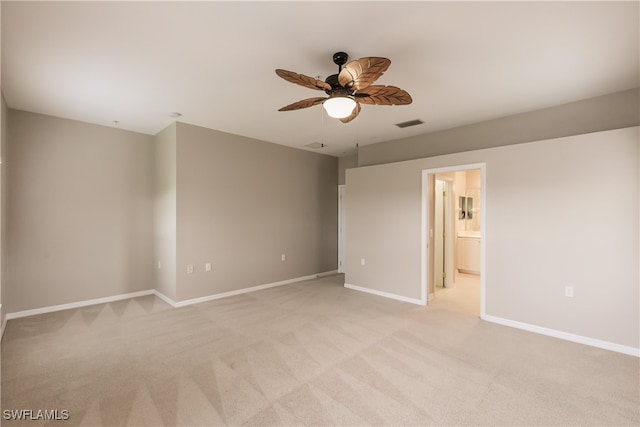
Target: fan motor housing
(336,88)
(333,81)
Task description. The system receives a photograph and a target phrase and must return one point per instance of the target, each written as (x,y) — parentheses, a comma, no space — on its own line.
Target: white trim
(341,226)
(424,254)
(606,345)
(177,304)
(326,273)
(78,304)
(384,294)
(155,292)
(424,238)
(619,348)
(165,298)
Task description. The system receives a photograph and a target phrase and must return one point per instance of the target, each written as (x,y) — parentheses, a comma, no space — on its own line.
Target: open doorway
(453,237)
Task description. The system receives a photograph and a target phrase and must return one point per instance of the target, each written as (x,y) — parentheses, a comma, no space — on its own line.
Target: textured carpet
(310,353)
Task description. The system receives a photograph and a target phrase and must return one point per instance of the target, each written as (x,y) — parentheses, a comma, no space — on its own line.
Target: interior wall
(3,206)
(3,126)
(344,163)
(242,203)
(543,231)
(79,211)
(613,111)
(165,211)
(383,212)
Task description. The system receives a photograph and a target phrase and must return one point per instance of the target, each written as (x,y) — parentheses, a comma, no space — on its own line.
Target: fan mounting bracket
(340,58)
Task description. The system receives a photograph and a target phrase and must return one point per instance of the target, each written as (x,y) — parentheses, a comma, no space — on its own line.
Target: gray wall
(165,211)
(559,212)
(241,203)
(79,211)
(613,111)
(3,128)
(91,210)
(344,163)
(3,205)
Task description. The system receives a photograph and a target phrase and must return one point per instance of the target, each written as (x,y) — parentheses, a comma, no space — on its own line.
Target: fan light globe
(339,107)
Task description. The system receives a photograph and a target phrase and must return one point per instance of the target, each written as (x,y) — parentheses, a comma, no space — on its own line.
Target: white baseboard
(185,303)
(327,273)
(163,297)
(606,345)
(78,304)
(384,294)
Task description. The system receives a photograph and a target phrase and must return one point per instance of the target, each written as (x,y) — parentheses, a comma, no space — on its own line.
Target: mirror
(469,209)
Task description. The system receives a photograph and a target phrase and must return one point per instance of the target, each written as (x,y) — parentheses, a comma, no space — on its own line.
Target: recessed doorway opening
(453,237)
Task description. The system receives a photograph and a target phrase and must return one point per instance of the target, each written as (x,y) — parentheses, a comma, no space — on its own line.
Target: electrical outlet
(189,268)
(568,291)
(159,265)
(362,261)
(207,267)
(283,257)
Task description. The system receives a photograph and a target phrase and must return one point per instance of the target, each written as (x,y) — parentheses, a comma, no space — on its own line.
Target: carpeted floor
(310,353)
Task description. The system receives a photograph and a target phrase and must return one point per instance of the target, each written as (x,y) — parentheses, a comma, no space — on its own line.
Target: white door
(342,200)
(448,234)
(443,234)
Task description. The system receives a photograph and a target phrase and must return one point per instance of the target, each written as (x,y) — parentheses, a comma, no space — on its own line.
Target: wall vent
(409,123)
(316,145)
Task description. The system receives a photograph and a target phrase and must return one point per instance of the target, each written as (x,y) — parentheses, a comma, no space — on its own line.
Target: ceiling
(463,62)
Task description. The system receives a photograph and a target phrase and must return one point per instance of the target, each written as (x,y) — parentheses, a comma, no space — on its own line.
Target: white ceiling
(214,62)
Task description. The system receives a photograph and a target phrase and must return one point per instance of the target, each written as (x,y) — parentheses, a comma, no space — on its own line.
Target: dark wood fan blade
(303,80)
(383,95)
(305,103)
(360,73)
(353,115)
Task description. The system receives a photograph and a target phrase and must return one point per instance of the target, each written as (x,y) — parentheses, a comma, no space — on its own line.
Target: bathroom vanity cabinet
(468,253)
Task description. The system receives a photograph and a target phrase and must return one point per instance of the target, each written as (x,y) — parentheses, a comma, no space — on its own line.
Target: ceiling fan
(349,88)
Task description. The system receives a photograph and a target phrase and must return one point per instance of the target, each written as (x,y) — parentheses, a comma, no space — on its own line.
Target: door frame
(448,229)
(342,190)
(425,252)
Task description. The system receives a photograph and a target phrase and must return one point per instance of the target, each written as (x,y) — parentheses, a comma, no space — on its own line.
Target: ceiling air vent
(409,123)
(316,145)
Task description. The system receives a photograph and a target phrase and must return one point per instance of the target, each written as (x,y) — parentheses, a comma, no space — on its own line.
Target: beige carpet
(310,353)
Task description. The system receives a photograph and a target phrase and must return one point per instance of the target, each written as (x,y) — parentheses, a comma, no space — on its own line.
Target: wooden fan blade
(360,73)
(305,103)
(354,114)
(383,95)
(302,80)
